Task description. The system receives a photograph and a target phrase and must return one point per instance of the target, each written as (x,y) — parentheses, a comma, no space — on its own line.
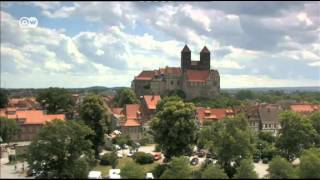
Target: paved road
(261,169)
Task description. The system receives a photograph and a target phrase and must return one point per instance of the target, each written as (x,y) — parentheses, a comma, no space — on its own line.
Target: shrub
(157,148)
(143,158)
(159,169)
(109,159)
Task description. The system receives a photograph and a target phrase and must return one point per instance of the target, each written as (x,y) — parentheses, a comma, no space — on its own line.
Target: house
(253,116)
(129,120)
(24,103)
(305,108)
(269,117)
(213,114)
(149,104)
(30,121)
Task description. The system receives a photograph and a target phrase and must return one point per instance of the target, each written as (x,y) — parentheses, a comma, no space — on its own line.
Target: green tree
(231,140)
(178,168)
(93,112)
(310,164)
(244,94)
(266,136)
(315,120)
(246,170)
(56,100)
(280,168)
(8,129)
(295,135)
(3,98)
(174,127)
(132,170)
(213,172)
(61,150)
(125,96)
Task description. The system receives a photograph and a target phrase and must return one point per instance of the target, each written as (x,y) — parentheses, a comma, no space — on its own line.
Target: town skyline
(80,44)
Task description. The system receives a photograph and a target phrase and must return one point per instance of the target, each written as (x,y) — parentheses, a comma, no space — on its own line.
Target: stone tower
(205,58)
(185,58)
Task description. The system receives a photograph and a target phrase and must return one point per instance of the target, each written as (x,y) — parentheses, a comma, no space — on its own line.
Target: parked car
(194,161)
(130,154)
(149,176)
(125,146)
(256,159)
(201,153)
(120,155)
(117,147)
(157,156)
(265,160)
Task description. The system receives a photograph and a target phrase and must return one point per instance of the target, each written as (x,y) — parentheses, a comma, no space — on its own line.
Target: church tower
(185,58)
(205,58)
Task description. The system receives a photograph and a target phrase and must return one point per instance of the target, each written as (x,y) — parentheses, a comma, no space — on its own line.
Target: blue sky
(81,44)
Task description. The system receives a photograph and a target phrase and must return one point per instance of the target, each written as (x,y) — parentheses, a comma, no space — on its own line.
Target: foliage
(109,159)
(246,170)
(244,95)
(55,100)
(310,164)
(213,172)
(3,98)
(295,135)
(174,127)
(315,121)
(230,139)
(180,93)
(223,100)
(8,129)
(125,96)
(266,136)
(178,168)
(159,170)
(132,171)
(280,168)
(61,150)
(143,158)
(93,113)
(123,139)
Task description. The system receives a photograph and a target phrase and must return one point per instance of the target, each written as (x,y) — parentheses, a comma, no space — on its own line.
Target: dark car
(201,153)
(256,159)
(194,161)
(265,160)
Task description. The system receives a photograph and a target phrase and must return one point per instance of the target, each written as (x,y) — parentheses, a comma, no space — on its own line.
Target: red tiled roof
(133,111)
(145,75)
(212,113)
(32,116)
(117,111)
(305,107)
(151,101)
(197,75)
(131,122)
(171,70)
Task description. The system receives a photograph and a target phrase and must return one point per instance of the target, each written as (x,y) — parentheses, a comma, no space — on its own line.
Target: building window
(171,82)
(265,126)
(178,82)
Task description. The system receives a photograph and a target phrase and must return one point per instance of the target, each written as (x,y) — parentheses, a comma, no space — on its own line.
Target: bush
(157,148)
(109,159)
(143,158)
(12,158)
(158,170)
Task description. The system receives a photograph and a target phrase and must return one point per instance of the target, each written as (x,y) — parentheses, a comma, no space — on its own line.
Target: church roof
(205,50)
(145,75)
(197,75)
(185,49)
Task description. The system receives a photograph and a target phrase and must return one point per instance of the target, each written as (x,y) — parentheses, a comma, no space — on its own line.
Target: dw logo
(28,22)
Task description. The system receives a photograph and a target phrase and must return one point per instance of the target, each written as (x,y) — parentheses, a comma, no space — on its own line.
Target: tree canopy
(55,100)
(94,114)
(174,127)
(61,150)
(178,168)
(125,96)
(246,170)
(3,98)
(310,164)
(295,135)
(131,170)
(8,129)
(280,168)
(213,172)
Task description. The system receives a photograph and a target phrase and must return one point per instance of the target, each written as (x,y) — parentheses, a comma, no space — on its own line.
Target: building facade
(194,78)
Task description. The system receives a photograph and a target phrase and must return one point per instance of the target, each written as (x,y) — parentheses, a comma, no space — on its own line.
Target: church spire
(186,49)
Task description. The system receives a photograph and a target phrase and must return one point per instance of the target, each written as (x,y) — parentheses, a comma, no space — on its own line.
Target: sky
(83,44)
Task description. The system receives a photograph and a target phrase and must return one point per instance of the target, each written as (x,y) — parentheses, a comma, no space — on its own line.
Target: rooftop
(151,101)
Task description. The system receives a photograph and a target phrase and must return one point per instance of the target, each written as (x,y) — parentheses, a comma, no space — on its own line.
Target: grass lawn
(105,169)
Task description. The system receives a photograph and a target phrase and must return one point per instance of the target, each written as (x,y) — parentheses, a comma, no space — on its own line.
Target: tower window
(171,82)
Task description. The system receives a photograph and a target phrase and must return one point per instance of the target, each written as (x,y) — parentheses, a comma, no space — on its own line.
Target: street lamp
(260,145)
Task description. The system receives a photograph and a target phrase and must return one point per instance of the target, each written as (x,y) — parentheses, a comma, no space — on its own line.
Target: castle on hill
(194,78)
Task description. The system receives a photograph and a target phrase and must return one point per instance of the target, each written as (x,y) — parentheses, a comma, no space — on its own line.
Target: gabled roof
(145,75)
(213,113)
(151,101)
(133,111)
(185,49)
(31,116)
(197,75)
(131,122)
(117,111)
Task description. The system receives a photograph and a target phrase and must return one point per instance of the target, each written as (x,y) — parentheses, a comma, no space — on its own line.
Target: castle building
(194,78)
